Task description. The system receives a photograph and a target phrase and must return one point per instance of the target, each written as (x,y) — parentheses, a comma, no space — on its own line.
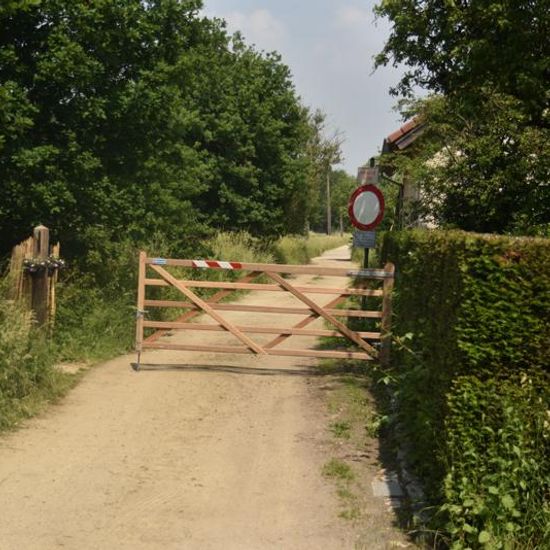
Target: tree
(323,151)
(342,185)
(487,63)
(124,118)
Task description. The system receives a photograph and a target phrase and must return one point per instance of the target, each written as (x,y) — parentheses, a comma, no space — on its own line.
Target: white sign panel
(372,175)
(364,239)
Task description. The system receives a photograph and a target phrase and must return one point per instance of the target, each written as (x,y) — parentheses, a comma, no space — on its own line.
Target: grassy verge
(293,249)
(354,426)
(363,452)
(28,378)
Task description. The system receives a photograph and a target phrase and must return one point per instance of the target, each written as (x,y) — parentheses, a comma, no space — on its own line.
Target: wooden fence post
(140,303)
(56,249)
(40,280)
(33,277)
(386,316)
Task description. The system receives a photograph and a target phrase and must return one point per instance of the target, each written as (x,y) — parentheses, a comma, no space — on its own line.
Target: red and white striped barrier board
(216,264)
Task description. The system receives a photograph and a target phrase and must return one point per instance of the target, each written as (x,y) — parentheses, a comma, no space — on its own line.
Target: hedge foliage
(472,325)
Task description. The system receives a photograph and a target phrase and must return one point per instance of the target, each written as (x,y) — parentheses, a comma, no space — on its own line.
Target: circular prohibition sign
(366,207)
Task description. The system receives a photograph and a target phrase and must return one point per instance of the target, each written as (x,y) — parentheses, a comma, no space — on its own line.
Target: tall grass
(27,375)
(295,249)
(240,247)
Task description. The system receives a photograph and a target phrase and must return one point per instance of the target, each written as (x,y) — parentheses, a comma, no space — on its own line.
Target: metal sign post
(366,210)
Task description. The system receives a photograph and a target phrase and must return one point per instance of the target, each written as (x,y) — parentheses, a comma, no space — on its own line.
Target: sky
(329,46)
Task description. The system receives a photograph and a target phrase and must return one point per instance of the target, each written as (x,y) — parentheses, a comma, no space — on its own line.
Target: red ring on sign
(366,189)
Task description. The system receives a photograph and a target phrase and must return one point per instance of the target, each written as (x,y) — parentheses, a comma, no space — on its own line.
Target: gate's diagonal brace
(218,296)
(207,309)
(303,323)
(320,311)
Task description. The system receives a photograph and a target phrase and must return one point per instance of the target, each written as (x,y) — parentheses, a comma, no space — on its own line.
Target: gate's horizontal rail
(278,268)
(322,354)
(215,298)
(265,309)
(276,288)
(256,330)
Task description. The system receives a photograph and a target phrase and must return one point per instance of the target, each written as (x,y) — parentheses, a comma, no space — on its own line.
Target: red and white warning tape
(216,264)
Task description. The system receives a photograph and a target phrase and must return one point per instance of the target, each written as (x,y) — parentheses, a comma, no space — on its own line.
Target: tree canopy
(487,64)
(130,117)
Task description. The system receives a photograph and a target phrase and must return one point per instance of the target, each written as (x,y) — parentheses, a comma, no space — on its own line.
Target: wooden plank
(196,347)
(281,268)
(16,274)
(321,354)
(275,288)
(53,281)
(266,309)
(217,297)
(40,280)
(174,325)
(304,322)
(140,301)
(26,280)
(208,309)
(386,317)
(323,313)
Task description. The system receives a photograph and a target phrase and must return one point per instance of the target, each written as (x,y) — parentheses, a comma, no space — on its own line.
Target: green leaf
(484,537)
(507,502)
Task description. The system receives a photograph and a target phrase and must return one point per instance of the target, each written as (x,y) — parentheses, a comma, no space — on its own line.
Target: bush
(474,311)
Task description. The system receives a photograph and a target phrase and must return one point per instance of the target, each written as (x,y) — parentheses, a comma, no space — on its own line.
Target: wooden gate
(369,345)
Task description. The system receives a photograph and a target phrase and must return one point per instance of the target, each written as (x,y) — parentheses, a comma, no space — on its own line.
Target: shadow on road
(258,371)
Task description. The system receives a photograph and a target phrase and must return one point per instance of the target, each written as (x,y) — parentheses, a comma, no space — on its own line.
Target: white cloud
(259,27)
(353,16)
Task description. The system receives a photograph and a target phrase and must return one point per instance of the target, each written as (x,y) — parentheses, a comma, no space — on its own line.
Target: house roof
(404,136)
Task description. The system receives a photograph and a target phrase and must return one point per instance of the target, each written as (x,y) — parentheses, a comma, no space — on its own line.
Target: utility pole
(329,217)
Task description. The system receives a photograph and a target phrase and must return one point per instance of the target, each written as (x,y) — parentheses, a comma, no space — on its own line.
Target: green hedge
(472,325)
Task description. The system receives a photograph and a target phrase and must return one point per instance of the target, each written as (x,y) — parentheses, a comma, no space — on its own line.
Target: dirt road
(212,452)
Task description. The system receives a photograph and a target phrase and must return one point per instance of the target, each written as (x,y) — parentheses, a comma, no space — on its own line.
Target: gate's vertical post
(40,281)
(386,315)
(140,305)
(53,280)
